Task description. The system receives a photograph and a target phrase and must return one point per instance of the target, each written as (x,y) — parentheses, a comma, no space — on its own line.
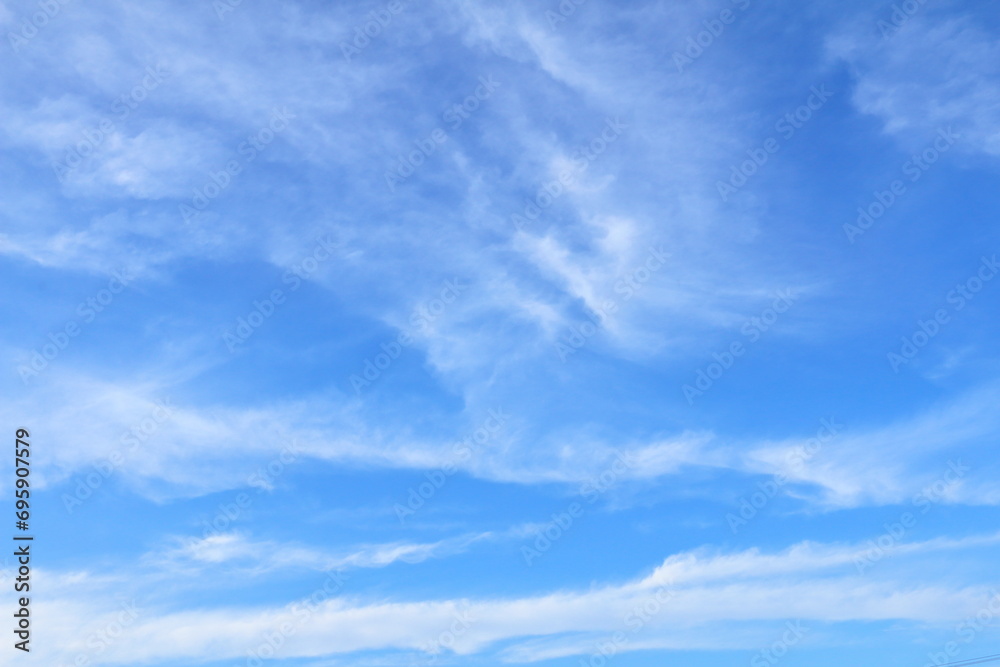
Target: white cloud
(689,592)
(892,463)
(859,466)
(930,74)
(259,557)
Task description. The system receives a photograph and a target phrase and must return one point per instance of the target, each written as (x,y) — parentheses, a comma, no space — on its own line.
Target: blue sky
(399,333)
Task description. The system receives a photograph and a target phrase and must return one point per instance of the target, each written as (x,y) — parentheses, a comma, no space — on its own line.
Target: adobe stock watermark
(219,180)
(771,655)
(786,127)
(463,621)
(902,12)
(420,320)
(888,541)
(454,117)
(581,160)
(86,311)
(796,459)
(753,329)
(262,479)
(378,20)
(246,326)
(914,168)
(626,287)
(634,620)
(461,452)
(957,299)
(302,612)
(223,7)
(565,9)
(122,107)
(562,522)
(703,40)
(32,24)
(967,630)
(130,441)
(104,638)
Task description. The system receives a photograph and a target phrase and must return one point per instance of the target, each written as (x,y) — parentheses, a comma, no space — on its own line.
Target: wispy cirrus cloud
(811,582)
